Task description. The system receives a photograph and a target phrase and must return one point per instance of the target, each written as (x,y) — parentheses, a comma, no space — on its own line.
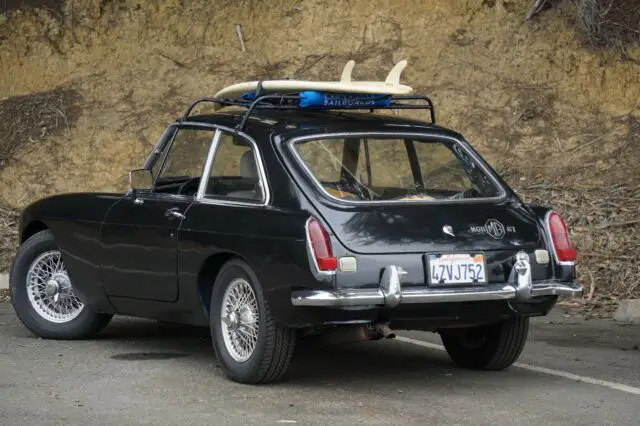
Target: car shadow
(313,363)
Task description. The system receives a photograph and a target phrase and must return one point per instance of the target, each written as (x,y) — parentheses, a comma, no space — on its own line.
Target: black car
(269,222)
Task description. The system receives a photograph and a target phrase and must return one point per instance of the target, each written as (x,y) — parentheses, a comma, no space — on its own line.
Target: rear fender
(562,272)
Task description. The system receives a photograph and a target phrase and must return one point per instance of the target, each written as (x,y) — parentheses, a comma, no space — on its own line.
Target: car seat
(248,171)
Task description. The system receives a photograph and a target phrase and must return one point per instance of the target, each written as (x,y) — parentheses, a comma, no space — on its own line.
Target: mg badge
(447,229)
(494,228)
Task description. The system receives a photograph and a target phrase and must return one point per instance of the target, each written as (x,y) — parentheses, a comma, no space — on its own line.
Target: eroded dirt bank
(561,120)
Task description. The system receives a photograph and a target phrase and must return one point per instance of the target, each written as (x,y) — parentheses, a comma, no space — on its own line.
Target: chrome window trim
(547,228)
(213,147)
(204,179)
(162,141)
(295,140)
(178,128)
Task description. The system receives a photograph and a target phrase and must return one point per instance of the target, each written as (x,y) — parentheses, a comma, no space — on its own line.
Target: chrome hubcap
(49,289)
(239,321)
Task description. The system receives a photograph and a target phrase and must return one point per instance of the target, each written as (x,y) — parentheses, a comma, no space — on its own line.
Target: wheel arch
(207,276)
(277,297)
(32,228)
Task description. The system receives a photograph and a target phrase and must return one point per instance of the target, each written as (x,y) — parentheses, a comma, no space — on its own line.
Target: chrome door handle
(174,213)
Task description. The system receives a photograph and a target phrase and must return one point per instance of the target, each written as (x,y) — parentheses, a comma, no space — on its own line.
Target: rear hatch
(433,228)
(428,197)
(440,245)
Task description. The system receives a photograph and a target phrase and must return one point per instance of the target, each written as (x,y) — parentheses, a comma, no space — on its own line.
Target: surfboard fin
(346,72)
(393,78)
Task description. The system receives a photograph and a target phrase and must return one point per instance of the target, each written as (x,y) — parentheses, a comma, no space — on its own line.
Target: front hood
(424,228)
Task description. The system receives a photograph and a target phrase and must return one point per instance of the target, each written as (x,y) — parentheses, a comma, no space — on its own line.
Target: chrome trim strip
(556,289)
(479,161)
(468,294)
(336,298)
(204,179)
(363,297)
(150,161)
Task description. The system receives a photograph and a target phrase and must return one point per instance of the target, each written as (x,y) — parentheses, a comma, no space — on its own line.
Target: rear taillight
(320,246)
(564,250)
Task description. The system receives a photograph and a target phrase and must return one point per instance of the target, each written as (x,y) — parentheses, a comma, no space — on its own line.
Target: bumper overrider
(390,293)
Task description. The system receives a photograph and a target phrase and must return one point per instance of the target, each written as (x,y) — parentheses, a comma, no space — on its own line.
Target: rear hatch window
(395,169)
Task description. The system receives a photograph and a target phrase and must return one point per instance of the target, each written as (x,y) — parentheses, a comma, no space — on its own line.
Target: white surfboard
(391,85)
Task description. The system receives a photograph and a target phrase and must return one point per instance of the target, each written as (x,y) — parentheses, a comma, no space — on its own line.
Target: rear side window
(394,169)
(234,173)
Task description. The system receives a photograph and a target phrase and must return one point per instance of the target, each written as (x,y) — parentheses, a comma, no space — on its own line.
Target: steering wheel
(186,184)
(467,193)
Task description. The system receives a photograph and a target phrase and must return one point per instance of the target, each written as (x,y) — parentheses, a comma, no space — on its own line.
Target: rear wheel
(493,347)
(250,346)
(43,296)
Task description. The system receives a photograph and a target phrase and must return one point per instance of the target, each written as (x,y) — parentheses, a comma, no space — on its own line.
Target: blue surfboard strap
(311,98)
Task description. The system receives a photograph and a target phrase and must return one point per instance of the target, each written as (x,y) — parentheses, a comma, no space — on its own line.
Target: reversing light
(320,246)
(562,246)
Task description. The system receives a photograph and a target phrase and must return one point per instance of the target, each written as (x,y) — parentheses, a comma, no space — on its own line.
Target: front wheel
(43,296)
(250,346)
(493,347)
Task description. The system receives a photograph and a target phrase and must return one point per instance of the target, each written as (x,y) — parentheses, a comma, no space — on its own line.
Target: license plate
(459,268)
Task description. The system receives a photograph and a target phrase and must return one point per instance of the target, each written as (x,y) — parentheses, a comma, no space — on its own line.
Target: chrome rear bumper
(391,294)
(428,295)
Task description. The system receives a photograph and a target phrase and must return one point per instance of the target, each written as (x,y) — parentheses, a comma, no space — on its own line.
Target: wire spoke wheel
(49,289)
(239,320)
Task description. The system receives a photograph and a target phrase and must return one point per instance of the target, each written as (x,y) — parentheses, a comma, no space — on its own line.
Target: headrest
(248,167)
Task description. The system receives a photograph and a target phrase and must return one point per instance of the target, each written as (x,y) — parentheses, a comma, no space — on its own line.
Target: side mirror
(140,179)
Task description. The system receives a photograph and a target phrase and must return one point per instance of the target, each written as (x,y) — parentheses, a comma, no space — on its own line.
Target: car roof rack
(292,102)
(288,94)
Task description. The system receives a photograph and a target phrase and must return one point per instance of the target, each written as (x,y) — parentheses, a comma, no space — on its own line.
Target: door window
(184,163)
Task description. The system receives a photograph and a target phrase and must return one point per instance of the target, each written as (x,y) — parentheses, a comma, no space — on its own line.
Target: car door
(139,234)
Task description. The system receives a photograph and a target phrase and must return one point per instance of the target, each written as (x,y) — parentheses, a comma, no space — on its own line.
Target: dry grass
(27,119)
(610,23)
(604,227)
(8,235)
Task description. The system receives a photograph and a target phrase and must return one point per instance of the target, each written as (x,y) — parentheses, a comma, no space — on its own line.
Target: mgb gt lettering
(494,228)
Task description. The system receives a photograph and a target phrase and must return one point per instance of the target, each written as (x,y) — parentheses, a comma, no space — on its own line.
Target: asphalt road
(139,372)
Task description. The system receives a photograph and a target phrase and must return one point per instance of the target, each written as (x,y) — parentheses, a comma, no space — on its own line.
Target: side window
(185,161)
(234,172)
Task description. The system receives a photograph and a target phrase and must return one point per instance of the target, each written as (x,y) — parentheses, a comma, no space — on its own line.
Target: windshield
(395,169)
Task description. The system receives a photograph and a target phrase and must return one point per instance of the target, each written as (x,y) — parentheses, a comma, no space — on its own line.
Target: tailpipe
(356,333)
(385,331)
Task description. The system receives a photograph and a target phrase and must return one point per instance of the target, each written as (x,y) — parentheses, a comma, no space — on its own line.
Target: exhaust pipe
(385,331)
(356,333)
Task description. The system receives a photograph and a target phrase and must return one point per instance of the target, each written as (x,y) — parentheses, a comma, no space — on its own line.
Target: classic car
(270,221)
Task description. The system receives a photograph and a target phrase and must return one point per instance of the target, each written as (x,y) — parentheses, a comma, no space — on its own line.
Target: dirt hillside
(87,87)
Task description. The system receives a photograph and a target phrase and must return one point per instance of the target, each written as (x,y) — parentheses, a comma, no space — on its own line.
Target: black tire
(88,322)
(493,347)
(274,347)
